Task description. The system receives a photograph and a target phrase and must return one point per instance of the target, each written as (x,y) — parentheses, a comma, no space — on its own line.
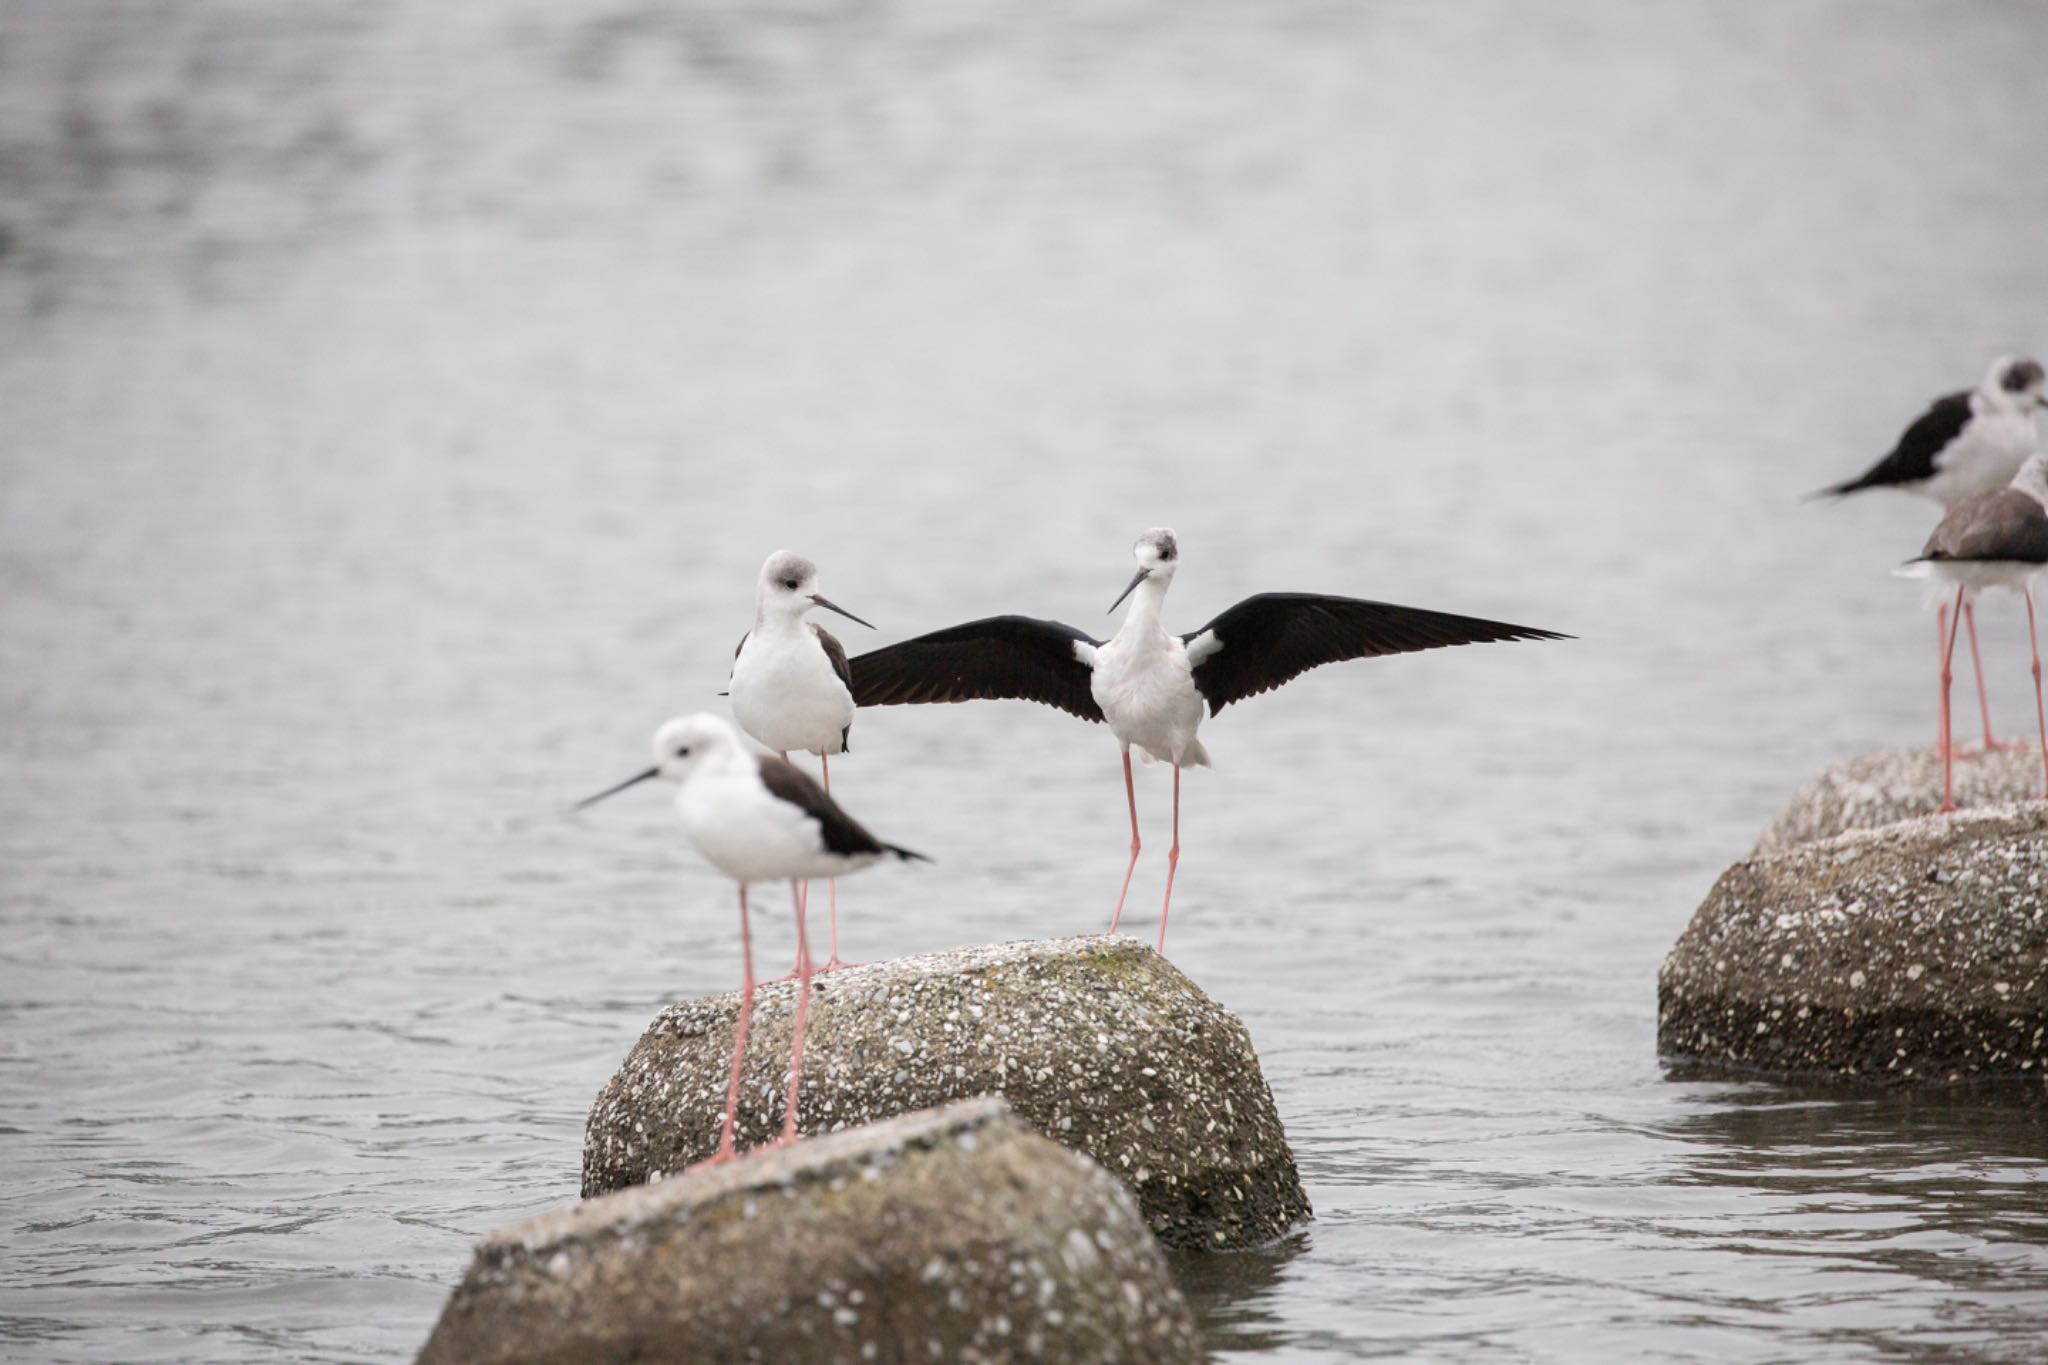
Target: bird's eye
(791,583)
(683,752)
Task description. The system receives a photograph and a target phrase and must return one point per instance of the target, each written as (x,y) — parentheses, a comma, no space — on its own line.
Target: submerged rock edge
(1911,954)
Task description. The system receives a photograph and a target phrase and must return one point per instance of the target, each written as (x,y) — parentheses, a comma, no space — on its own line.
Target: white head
(681,748)
(1158,555)
(788,588)
(2017,383)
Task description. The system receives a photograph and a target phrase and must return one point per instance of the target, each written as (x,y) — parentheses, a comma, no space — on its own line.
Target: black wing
(842,834)
(1912,459)
(836,653)
(1265,640)
(2006,525)
(1002,656)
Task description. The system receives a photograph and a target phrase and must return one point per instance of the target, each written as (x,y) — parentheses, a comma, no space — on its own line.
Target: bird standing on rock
(756,818)
(1150,686)
(1999,540)
(790,686)
(1965,445)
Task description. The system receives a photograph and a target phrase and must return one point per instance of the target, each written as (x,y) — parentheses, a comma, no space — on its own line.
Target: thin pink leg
(832,963)
(1172,861)
(2040,717)
(1948,752)
(1991,745)
(795,968)
(1130,795)
(803,1005)
(1940,645)
(725,1150)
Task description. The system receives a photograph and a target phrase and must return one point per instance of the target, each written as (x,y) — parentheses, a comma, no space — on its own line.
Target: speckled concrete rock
(1916,953)
(1100,1044)
(951,1235)
(1890,785)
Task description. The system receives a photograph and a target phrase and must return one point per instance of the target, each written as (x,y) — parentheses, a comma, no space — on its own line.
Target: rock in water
(1100,1044)
(951,1235)
(1915,953)
(1890,785)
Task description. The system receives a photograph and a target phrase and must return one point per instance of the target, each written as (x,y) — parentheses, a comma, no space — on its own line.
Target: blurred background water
(397,400)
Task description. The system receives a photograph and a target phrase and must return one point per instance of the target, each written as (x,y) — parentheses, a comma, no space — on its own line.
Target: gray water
(397,400)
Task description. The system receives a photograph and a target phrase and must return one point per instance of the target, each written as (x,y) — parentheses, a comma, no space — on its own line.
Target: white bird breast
(1944,576)
(751,835)
(1146,689)
(1983,457)
(785,694)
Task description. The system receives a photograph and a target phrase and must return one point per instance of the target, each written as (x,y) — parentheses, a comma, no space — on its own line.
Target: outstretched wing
(1266,640)
(1002,656)
(1915,458)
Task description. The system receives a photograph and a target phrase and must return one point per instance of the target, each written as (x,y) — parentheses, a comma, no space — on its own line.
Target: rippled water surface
(396,401)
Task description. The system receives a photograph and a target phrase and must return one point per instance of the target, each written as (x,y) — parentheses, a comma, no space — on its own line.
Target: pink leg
(803,1004)
(1977,662)
(1948,754)
(2040,717)
(1130,795)
(725,1150)
(834,962)
(1940,645)
(1172,861)
(796,968)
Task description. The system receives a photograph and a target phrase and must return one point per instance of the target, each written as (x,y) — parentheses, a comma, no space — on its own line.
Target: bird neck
(779,620)
(1146,600)
(2033,479)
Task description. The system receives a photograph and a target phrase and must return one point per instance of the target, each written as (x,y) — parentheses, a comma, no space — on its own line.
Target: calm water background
(396,402)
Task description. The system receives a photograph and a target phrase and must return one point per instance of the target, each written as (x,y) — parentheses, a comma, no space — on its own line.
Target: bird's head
(681,747)
(1158,555)
(2019,382)
(789,588)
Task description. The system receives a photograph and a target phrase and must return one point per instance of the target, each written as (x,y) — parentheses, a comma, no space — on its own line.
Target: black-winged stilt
(1150,686)
(790,686)
(756,818)
(1966,444)
(1997,540)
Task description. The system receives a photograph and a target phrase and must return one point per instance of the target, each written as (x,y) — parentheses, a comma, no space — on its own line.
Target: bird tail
(1838,490)
(908,855)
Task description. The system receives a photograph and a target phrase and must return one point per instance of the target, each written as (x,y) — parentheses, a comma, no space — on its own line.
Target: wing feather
(1273,637)
(998,657)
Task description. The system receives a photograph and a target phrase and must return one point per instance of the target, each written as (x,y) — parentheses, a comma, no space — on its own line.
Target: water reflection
(399,398)
(1234,1296)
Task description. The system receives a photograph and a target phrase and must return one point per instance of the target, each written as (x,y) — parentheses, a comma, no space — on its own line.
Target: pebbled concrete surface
(1099,1044)
(950,1235)
(1882,788)
(1912,954)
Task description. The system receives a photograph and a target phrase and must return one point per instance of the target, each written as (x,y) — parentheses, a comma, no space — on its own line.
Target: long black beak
(834,606)
(1136,579)
(635,780)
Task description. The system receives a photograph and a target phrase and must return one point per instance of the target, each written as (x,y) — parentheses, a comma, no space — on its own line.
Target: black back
(997,657)
(836,653)
(1275,636)
(2007,525)
(842,834)
(1912,459)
